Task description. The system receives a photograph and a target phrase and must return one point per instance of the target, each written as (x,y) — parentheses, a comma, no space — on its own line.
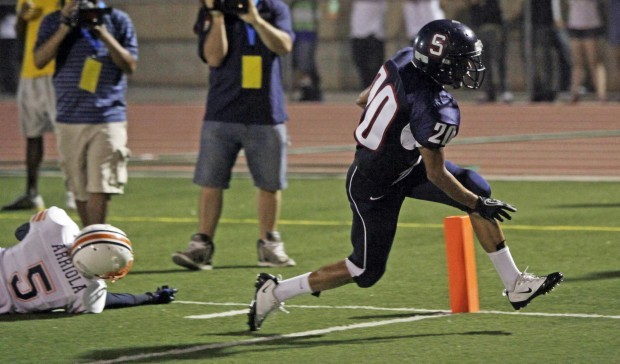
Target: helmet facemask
(467,71)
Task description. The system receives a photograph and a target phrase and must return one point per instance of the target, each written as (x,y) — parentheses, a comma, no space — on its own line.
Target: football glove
(22,231)
(491,209)
(162,295)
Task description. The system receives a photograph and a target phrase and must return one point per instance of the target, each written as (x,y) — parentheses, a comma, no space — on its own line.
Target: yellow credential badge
(90,75)
(251,72)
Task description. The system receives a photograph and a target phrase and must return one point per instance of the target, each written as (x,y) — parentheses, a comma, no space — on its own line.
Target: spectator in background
(36,102)
(93,60)
(586,29)
(488,22)
(245,109)
(419,12)
(614,30)
(367,32)
(9,54)
(548,42)
(305,15)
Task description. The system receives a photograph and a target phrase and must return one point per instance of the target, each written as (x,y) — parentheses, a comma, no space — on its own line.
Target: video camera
(89,14)
(231,6)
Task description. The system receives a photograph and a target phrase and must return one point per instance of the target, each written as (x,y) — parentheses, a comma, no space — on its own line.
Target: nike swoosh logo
(268,285)
(528,291)
(376,198)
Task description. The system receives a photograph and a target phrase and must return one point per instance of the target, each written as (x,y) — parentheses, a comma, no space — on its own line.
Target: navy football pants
(376,210)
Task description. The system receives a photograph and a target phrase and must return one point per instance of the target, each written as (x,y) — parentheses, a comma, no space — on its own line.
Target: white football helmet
(102,251)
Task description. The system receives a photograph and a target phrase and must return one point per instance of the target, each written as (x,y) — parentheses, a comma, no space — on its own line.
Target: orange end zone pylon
(461,264)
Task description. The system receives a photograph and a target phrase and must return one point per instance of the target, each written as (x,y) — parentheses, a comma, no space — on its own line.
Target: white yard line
(219,314)
(258,340)
(400,309)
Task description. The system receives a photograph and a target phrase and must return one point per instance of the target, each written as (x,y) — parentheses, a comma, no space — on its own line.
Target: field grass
(567,226)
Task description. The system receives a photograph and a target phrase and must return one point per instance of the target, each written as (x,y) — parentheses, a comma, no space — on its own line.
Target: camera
(231,6)
(88,14)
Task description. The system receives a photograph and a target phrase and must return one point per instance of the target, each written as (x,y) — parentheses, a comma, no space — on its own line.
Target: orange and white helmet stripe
(103,251)
(95,237)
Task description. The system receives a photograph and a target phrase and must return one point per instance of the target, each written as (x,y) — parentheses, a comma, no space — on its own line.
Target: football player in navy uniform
(407,121)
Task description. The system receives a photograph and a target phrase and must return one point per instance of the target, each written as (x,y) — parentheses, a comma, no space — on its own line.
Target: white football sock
(292,287)
(505,266)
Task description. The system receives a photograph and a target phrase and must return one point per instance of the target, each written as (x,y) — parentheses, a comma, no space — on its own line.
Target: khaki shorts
(36,102)
(94,157)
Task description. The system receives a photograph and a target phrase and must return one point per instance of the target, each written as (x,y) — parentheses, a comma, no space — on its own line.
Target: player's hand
(252,16)
(208,3)
(492,209)
(29,12)
(163,295)
(70,9)
(100,30)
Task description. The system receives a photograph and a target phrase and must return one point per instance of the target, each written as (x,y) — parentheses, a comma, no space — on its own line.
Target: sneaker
(264,301)
(25,202)
(484,97)
(271,252)
(507,97)
(70,201)
(198,254)
(529,286)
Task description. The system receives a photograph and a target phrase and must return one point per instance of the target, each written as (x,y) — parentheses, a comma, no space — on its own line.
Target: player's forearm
(20,28)
(120,56)
(362,98)
(121,300)
(215,46)
(275,39)
(437,173)
(47,51)
(454,189)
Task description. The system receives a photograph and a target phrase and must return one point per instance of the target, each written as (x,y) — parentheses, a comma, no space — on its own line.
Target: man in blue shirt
(245,110)
(92,61)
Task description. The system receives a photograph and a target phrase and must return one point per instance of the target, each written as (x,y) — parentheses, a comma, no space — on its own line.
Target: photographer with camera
(94,48)
(242,42)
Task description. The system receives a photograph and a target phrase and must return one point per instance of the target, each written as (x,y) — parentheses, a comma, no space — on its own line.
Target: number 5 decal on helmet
(437,45)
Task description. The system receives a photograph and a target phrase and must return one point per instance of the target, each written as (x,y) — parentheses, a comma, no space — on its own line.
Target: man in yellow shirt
(36,101)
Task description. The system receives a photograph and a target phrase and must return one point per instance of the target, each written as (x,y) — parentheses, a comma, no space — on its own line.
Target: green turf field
(572,227)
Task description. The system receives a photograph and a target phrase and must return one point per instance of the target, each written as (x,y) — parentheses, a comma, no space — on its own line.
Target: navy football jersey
(406,109)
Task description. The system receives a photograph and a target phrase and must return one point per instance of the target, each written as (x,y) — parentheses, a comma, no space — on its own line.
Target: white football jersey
(38,275)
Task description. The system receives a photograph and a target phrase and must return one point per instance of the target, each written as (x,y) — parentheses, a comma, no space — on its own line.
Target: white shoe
(70,201)
(507,97)
(25,202)
(529,286)
(271,252)
(264,301)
